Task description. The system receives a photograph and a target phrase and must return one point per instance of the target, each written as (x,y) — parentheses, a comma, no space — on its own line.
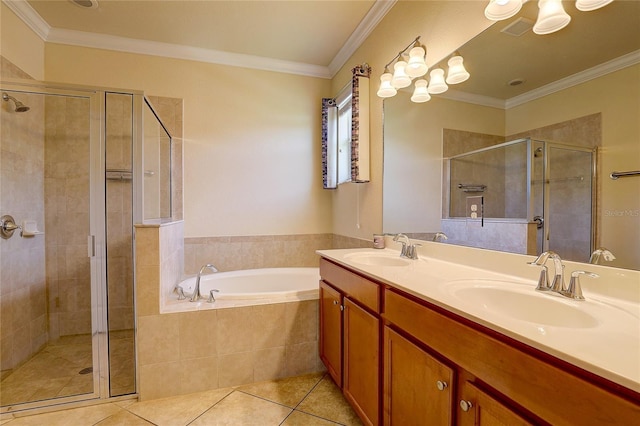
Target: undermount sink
(527,305)
(382,258)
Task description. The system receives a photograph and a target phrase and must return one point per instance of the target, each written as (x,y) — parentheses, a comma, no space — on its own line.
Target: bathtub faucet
(196,291)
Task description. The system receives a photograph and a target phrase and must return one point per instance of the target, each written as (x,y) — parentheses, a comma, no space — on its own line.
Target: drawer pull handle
(465,405)
(441,385)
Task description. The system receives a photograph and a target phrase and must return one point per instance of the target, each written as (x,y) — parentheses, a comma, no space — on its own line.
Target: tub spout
(196,291)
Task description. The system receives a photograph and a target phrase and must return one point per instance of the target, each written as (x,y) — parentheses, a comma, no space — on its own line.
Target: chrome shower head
(19,106)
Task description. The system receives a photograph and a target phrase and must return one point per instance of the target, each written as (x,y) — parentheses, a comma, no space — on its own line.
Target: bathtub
(246,288)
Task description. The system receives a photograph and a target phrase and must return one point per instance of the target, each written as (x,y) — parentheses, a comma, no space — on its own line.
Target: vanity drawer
(353,285)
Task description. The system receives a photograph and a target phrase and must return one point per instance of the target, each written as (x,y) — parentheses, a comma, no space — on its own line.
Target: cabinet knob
(335,302)
(465,405)
(441,385)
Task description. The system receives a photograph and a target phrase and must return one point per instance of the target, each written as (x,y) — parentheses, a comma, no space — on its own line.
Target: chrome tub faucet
(196,291)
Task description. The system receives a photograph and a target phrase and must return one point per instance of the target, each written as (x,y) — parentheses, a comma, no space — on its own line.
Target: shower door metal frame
(548,144)
(96,244)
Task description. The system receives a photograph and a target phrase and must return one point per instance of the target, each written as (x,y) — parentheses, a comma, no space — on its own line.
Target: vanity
(434,342)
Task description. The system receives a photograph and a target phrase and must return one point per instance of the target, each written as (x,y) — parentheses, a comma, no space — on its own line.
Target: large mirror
(572,99)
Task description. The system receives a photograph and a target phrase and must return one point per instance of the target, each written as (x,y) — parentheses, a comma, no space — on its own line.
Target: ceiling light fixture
(551,15)
(85,4)
(405,72)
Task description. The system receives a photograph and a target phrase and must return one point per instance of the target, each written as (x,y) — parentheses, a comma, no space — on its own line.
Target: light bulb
(436,83)
(498,10)
(400,78)
(551,17)
(386,90)
(417,67)
(420,93)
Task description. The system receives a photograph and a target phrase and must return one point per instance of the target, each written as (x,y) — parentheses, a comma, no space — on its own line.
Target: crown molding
(575,79)
(123,44)
(471,98)
(605,68)
(177,51)
(360,34)
(30,17)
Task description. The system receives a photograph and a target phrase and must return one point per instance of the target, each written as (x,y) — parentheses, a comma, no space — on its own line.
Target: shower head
(19,106)
(537,152)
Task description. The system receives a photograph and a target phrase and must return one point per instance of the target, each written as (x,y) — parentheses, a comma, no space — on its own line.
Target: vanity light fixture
(551,15)
(416,67)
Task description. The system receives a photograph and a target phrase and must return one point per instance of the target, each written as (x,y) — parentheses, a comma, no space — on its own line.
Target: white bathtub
(246,288)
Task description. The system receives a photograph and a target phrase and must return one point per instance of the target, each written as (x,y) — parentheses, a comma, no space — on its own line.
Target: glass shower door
(47,280)
(569,202)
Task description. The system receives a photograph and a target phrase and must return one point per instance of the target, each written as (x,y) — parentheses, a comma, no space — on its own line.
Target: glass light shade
(417,67)
(437,84)
(551,17)
(420,93)
(400,78)
(386,90)
(457,72)
(589,5)
(497,10)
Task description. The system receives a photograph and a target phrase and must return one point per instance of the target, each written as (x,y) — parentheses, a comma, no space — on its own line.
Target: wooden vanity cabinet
(350,337)
(479,408)
(418,389)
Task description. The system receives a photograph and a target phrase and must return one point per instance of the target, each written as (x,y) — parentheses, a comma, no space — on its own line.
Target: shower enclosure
(72,184)
(544,186)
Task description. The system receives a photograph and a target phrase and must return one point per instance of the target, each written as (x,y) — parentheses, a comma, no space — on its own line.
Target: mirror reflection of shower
(19,106)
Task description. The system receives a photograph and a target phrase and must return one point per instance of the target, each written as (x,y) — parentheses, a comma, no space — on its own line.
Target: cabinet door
(331,331)
(362,361)
(417,387)
(479,408)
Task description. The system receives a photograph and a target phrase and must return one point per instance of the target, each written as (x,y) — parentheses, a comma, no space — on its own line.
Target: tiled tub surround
(607,349)
(209,349)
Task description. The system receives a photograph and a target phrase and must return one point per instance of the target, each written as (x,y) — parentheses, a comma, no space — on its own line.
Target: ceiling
(313,37)
(589,42)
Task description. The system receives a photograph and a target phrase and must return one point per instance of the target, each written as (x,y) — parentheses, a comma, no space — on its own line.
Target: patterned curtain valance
(338,167)
(360,123)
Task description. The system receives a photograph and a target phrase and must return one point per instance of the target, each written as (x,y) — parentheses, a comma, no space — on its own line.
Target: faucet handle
(575,290)
(212,297)
(412,251)
(180,292)
(543,280)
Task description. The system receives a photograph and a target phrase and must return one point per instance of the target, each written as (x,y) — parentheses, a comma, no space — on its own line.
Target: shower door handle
(91,246)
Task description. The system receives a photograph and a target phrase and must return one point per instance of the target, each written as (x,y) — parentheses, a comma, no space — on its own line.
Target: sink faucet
(573,291)
(600,254)
(405,243)
(440,236)
(196,291)
(557,284)
(410,251)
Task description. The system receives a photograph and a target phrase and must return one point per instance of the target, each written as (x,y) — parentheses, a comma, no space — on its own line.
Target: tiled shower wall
(23,321)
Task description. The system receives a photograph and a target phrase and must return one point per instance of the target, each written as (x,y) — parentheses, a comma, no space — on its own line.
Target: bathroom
(236,141)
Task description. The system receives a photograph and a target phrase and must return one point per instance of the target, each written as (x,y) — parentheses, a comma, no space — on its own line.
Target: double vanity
(430,341)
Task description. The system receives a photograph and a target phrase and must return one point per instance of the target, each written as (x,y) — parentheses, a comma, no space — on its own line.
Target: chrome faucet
(573,291)
(557,284)
(405,243)
(410,251)
(196,291)
(600,254)
(440,236)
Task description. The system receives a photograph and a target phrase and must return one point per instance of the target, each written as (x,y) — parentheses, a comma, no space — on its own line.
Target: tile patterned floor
(307,400)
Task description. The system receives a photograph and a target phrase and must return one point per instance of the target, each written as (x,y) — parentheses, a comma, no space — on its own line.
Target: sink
(372,258)
(523,303)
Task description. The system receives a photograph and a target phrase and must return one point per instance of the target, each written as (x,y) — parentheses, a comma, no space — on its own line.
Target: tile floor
(307,400)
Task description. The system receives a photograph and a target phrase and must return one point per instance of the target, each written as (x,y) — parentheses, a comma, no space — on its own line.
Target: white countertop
(608,347)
